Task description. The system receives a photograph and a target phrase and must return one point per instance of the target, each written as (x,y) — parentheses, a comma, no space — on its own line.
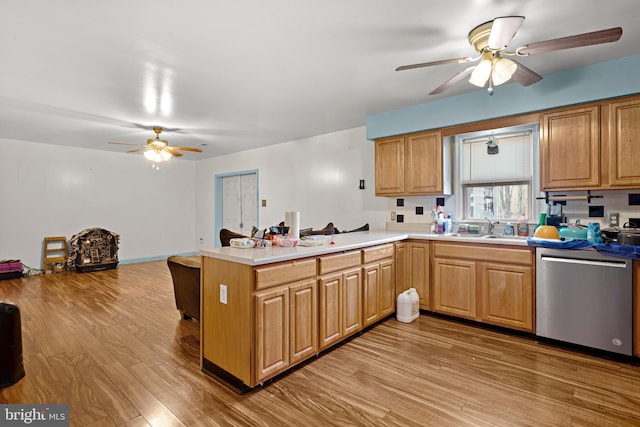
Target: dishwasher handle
(581,261)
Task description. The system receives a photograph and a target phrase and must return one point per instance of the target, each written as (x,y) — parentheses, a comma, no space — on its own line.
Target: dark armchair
(185,272)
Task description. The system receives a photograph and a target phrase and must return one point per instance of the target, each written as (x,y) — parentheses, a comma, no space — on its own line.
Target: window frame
(534,206)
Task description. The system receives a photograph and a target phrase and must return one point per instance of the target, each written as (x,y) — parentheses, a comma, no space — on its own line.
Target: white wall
(317,176)
(53,190)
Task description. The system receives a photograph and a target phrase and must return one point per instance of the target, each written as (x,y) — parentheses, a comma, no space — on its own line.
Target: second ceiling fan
(490,40)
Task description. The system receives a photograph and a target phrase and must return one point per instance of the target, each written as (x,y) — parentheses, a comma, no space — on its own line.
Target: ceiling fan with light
(490,40)
(158,150)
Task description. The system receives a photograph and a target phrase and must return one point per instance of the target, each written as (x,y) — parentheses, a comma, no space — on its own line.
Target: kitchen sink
(497,236)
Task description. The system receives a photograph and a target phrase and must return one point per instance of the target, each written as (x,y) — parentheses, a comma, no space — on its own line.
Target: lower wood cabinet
(499,291)
(378,283)
(454,287)
(507,295)
(340,305)
(412,270)
(286,327)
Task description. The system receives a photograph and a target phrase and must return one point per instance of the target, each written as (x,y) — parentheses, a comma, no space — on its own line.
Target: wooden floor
(112,345)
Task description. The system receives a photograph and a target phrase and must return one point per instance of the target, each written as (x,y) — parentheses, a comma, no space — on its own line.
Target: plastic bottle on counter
(522,227)
(448,224)
(440,229)
(543,221)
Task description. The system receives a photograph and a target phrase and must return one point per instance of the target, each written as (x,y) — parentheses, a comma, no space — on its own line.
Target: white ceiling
(227,76)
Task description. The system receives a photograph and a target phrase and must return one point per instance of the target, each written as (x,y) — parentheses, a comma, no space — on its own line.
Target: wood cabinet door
(330,307)
(419,272)
(389,164)
(454,287)
(386,288)
(370,285)
(507,295)
(424,164)
(402,268)
(272,332)
(351,301)
(570,149)
(303,320)
(623,144)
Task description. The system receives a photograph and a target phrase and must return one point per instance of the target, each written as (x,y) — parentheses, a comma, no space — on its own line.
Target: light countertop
(345,242)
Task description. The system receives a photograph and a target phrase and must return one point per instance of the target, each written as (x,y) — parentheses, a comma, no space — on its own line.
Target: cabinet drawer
(483,252)
(377,252)
(285,272)
(327,264)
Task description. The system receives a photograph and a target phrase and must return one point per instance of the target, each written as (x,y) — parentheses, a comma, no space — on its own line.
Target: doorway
(236,202)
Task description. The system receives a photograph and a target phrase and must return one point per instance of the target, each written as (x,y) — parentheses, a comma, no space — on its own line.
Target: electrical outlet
(223,293)
(393,215)
(614,219)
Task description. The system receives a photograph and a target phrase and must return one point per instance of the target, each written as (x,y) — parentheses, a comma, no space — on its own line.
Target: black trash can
(11,365)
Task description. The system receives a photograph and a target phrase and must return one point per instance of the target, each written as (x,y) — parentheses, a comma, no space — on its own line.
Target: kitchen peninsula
(264,310)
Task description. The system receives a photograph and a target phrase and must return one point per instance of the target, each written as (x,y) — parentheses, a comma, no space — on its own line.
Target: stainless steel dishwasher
(585,298)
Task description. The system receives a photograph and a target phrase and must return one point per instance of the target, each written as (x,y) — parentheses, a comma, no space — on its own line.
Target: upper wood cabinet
(596,146)
(413,164)
(621,143)
(389,166)
(570,149)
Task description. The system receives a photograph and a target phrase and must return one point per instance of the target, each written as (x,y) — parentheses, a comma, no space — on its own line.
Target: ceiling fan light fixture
(481,73)
(157,155)
(503,69)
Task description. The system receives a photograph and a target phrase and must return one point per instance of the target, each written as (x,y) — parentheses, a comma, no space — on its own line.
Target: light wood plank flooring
(112,345)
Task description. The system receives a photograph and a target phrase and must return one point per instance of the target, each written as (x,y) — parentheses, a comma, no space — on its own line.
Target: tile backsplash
(409,212)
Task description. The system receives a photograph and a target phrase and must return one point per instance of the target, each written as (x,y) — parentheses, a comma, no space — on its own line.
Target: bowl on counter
(548,232)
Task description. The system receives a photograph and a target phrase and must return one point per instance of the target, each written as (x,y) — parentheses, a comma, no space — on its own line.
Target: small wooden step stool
(55,250)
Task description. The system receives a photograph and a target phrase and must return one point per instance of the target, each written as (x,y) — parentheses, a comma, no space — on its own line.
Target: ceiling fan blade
(122,143)
(586,39)
(503,30)
(525,76)
(195,150)
(138,150)
(429,64)
(171,151)
(453,80)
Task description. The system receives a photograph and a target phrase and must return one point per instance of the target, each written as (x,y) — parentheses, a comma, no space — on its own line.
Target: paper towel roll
(292,220)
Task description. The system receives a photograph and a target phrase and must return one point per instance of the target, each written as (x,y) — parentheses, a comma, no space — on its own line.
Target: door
(507,295)
(352,301)
(272,328)
(570,149)
(387,289)
(239,203)
(330,309)
(423,168)
(303,319)
(389,162)
(454,287)
(622,146)
(370,285)
(418,261)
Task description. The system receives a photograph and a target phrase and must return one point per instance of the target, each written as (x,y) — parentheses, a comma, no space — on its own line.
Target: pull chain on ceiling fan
(490,40)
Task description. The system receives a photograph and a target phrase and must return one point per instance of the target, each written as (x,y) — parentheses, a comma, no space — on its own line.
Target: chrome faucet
(491,225)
